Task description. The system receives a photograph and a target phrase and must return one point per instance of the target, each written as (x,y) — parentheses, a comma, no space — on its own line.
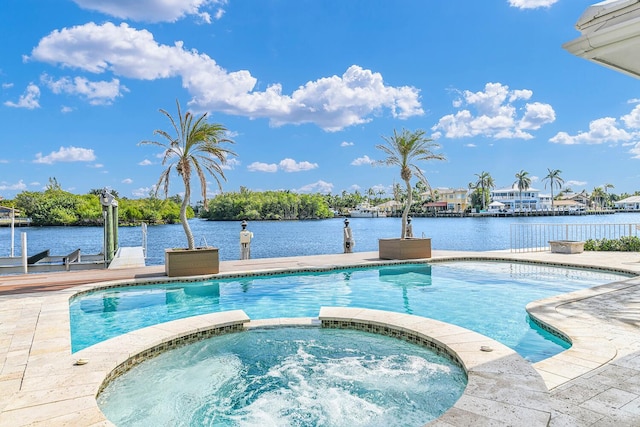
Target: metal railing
(536,237)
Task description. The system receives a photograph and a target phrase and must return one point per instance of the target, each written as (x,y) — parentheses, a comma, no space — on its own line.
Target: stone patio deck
(595,383)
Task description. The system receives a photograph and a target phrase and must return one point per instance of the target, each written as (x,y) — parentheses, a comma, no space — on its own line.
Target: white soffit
(610,35)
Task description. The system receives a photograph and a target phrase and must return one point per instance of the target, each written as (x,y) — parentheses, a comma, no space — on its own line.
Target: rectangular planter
(196,262)
(566,246)
(412,248)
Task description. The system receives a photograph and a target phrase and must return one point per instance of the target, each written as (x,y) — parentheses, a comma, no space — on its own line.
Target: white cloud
(4,161)
(346,144)
(364,160)
(145,162)
(317,187)
(285,165)
(231,164)
(635,151)
(332,103)
(66,109)
(97,93)
(632,120)
(142,191)
(573,184)
(531,4)
(66,154)
(97,165)
(496,114)
(537,114)
(127,181)
(262,167)
(290,165)
(600,131)
(7,85)
(18,186)
(29,100)
(153,10)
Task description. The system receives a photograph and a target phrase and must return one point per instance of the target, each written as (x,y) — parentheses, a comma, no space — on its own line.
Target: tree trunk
(405,213)
(183,216)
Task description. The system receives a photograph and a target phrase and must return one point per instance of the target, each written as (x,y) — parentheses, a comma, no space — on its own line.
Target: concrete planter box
(412,248)
(196,262)
(566,246)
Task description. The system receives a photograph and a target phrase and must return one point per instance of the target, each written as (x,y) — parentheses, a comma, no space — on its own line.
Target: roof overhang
(610,36)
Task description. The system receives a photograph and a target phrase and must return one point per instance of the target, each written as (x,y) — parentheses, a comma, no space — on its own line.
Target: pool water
(486,297)
(287,376)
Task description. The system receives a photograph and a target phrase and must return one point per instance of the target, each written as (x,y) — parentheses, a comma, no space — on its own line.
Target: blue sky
(307,89)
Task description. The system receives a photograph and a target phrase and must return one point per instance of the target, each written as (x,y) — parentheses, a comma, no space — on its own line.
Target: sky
(307,89)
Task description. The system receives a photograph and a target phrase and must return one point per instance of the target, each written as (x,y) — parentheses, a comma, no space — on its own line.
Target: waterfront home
(456,199)
(629,204)
(581,197)
(390,208)
(510,197)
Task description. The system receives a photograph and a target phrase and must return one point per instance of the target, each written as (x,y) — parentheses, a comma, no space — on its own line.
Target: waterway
(292,238)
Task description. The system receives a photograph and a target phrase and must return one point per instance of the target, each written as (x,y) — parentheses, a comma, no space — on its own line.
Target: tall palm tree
(403,149)
(485,182)
(196,147)
(523,182)
(607,197)
(597,196)
(554,178)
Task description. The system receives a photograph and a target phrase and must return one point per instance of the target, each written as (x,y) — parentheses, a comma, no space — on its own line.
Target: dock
(43,262)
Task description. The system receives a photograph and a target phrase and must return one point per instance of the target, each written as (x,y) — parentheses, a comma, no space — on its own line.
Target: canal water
(293,238)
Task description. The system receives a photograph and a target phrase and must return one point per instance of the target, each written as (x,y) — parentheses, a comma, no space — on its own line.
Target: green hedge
(623,244)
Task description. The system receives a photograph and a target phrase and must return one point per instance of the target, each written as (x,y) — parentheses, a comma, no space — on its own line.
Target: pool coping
(39,349)
(502,387)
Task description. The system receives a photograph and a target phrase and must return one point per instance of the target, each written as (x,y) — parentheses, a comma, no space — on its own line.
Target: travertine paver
(595,383)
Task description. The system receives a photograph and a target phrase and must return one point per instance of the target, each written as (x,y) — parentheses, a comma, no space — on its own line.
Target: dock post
(25,268)
(110,215)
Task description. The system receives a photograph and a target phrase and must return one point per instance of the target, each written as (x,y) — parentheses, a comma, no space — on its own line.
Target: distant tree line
(58,207)
(54,206)
(268,205)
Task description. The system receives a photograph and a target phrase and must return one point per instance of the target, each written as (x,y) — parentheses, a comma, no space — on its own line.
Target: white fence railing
(535,237)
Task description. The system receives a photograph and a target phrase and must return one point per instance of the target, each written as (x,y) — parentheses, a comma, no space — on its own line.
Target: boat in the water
(365,210)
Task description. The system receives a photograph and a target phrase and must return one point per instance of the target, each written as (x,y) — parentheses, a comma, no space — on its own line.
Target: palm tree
(403,149)
(606,187)
(554,179)
(485,181)
(597,195)
(523,182)
(196,147)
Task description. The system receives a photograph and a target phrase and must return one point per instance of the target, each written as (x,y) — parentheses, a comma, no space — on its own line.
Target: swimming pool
(287,376)
(486,297)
